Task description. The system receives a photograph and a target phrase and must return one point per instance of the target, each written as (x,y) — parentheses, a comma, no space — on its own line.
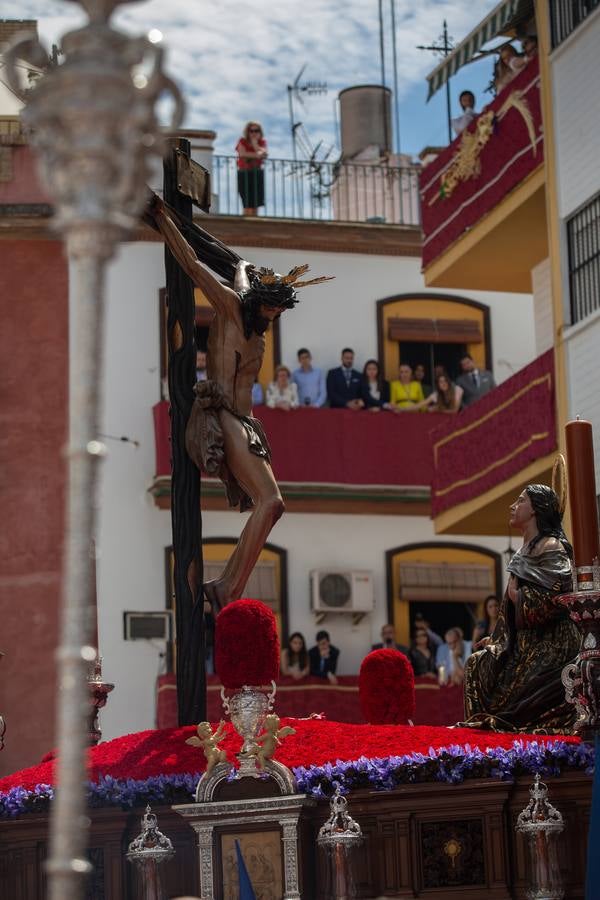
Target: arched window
(268,581)
(432,329)
(446,581)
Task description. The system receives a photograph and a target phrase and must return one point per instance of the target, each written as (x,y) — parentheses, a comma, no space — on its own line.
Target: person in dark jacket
(323,658)
(375,390)
(344,384)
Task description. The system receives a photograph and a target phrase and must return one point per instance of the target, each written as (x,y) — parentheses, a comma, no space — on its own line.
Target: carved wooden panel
(95,888)
(452,853)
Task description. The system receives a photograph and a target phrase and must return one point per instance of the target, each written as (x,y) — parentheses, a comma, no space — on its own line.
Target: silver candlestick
(338,837)
(147,852)
(99,690)
(542,823)
(93,122)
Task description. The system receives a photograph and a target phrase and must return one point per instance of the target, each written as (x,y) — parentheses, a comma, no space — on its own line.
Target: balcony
(483,197)
(483,458)
(330,460)
(372,193)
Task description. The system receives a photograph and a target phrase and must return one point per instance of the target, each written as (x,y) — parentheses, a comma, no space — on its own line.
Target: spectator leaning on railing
(446,398)
(422,653)
(452,656)
(252,151)
(405,393)
(419,374)
(375,390)
(323,658)
(282,393)
(475,383)
(508,66)
(344,384)
(309,380)
(467,104)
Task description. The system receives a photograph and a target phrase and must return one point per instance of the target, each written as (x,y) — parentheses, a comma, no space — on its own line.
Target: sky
(233,59)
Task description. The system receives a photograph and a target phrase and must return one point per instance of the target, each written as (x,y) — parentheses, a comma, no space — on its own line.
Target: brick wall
(33,417)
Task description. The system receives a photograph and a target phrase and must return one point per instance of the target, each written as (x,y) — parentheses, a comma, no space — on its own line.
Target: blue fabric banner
(246,889)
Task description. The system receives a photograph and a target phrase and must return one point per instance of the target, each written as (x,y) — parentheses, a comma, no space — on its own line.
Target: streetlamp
(92,119)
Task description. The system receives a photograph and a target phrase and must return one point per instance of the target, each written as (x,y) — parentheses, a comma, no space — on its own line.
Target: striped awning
(495,23)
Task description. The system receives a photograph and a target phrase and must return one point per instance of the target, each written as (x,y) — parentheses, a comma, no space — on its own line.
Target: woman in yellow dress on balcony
(405,393)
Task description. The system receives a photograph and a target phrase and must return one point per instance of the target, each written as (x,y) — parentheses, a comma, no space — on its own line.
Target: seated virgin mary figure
(513,682)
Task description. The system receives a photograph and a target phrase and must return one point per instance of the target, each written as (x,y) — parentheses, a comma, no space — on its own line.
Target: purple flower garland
(449,765)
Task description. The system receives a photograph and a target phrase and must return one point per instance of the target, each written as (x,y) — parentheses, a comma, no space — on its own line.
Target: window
(566,15)
(583,236)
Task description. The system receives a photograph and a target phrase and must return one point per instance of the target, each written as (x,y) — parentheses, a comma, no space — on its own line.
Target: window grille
(583,236)
(566,15)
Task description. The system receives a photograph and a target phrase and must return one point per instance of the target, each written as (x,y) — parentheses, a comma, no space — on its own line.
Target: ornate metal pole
(93,122)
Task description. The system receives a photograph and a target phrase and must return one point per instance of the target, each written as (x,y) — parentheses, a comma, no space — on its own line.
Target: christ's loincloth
(204,439)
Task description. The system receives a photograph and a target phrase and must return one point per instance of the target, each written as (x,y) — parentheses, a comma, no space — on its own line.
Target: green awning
(498,21)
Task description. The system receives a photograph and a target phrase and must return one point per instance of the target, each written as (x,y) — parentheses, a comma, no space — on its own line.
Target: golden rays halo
(269,277)
(559,481)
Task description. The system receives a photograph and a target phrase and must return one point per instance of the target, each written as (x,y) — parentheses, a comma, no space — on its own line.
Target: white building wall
(342,313)
(133,532)
(583,341)
(542,307)
(575,78)
(575,66)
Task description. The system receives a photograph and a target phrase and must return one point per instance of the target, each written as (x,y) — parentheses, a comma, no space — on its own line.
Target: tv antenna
(296,92)
(444,46)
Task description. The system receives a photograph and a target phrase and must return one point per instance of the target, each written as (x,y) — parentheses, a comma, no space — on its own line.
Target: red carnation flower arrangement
(386,688)
(246,644)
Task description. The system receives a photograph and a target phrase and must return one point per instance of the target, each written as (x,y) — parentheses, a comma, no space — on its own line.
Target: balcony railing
(339,192)
(495,438)
(492,157)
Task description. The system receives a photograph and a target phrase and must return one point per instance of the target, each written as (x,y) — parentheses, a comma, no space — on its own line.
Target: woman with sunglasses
(251,150)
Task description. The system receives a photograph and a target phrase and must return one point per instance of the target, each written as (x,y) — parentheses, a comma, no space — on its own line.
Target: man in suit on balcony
(474,382)
(344,384)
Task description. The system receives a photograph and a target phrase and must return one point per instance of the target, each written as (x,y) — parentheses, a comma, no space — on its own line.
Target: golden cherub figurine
(208,740)
(270,739)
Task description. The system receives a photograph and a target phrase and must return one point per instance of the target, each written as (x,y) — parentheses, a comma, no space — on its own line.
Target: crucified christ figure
(222,436)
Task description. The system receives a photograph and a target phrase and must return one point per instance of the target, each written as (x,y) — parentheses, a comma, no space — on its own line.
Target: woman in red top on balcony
(251,150)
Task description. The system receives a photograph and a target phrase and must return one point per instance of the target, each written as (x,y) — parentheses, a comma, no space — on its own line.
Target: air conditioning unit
(342,591)
(147,626)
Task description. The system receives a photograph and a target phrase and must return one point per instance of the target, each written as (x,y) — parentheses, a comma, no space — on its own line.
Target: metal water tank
(366,119)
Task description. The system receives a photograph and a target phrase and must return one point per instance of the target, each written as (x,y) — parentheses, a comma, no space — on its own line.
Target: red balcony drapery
(495,438)
(514,150)
(335,446)
(435,705)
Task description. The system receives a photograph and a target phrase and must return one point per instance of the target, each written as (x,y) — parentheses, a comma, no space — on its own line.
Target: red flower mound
(246,644)
(386,688)
(140,756)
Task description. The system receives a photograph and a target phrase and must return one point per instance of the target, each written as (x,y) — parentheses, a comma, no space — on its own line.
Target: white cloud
(234,59)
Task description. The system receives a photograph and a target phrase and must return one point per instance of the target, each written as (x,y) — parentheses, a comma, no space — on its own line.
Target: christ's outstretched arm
(219,295)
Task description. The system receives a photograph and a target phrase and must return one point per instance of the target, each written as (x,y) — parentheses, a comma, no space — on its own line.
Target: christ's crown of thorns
(269,277)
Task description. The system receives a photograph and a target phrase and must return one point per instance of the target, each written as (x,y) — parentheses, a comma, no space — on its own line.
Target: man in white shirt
(467,104)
